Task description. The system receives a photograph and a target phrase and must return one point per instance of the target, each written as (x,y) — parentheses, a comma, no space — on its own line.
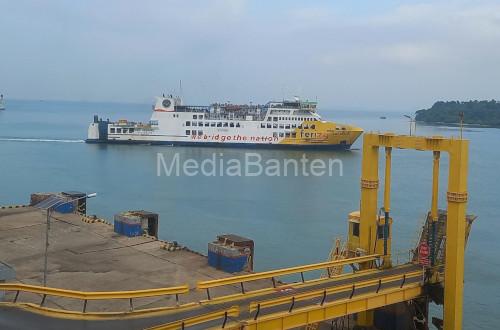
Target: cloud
(343,53)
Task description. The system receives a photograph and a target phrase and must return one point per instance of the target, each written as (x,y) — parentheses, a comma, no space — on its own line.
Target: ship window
(294,125)
(188,132)
(275,125)
(306,126)
(343,128)
(125,130)
(282,126)
(194,123)
(118,130)
(200,124)
(219,124)
(269,118)
(287,134)
(193,132)
(200,117)
(287,126)
(355,229)
(294,135)
(188,123)
(300,126)
(313,126)
(195,117)
(212,124)
(268,125)
(131,130)
(262,125)
(225,124)
(337,128)
(275,118)
(112,130)
(231,125)
(237,124)
(207,124)
(281,134)
(200,132)
(275,134)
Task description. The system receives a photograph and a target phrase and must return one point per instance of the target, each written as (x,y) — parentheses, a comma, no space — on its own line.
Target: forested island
(484,113)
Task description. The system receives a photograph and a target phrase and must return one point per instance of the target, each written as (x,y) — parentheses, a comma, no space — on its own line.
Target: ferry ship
(284,124)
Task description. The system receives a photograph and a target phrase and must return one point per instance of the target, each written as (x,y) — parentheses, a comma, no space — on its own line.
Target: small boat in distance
(383,117)
(2,105)
(280,124)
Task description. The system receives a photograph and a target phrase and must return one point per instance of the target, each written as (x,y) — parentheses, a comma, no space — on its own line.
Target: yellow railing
(282,272)
(337,289)
(303,316)
(100,295)
(222,314)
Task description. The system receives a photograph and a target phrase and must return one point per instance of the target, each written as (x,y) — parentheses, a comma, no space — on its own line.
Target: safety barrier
(13,206)
(299,317)
(241,279)
(400,278)
(224,314)
(86,296)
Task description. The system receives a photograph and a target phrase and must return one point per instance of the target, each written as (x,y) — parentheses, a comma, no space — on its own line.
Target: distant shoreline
(436,123)
(472,113)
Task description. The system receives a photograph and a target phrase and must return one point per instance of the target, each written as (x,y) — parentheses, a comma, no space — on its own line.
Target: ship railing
(216,116)
(191,108)
(402,257)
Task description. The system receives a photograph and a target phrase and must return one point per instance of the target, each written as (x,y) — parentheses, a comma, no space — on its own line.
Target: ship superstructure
(288,123)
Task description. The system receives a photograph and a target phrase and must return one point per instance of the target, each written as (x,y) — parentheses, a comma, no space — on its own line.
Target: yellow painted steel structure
(457,150)
(336,289)
(317,313)
(199,319)
(282,272)
(99,295)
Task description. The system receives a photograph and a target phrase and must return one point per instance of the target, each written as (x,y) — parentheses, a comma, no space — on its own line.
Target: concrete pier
(92,257)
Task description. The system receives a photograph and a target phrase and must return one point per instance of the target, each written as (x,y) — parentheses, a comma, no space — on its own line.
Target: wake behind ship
(284,124)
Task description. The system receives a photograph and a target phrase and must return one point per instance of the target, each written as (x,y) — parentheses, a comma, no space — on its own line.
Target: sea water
(292,219)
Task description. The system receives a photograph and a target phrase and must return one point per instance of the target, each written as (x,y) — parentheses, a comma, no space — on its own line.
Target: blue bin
(233,264)
(213,259)
(131,229)
(118,226)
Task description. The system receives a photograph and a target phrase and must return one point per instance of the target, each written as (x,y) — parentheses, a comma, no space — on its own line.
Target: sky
(390,55)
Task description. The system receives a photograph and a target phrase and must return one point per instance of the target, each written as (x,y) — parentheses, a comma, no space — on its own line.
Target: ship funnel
(165,104)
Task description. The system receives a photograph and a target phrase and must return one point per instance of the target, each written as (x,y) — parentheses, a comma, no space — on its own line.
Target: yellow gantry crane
(371,225)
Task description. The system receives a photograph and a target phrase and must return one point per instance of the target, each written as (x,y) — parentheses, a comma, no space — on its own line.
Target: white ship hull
(274,126)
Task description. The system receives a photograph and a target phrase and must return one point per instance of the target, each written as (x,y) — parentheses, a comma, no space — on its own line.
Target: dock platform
(92,257)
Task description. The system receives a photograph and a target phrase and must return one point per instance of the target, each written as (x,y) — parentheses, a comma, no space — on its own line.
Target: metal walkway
(285,306)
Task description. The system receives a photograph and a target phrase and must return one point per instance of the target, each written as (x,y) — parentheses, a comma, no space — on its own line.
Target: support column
(387,202)
(368,208)
(455,235)
(434,206)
